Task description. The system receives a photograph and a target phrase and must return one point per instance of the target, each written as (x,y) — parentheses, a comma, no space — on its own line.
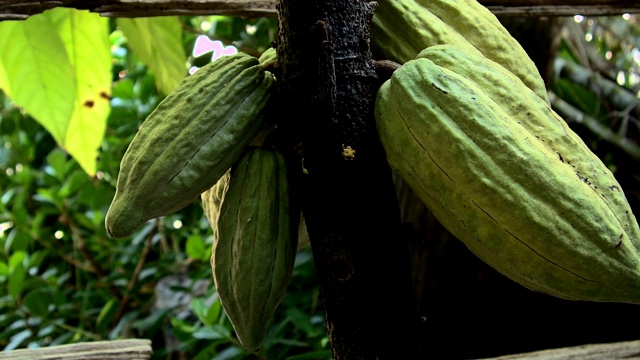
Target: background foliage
(63,280)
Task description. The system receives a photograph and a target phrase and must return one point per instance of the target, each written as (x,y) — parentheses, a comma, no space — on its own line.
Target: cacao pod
(255,240)
(269,58)
(402,28)
(509,178)
(212,199)
(189,141)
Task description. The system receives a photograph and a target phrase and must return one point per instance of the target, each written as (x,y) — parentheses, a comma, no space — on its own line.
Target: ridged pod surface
(505,175)
(402,28)
(269,58)
(212,199)
(254,243)
(189,141)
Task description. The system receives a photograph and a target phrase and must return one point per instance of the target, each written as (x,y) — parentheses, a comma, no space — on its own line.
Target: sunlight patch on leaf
(86,39)
(38,72)
(58,69)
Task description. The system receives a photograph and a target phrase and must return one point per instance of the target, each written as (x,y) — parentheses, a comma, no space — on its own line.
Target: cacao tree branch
(347,194)
(571,114)
(21,9)
(124,301)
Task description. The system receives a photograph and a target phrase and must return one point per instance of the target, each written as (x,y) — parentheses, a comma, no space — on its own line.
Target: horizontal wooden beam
(128,349)
(561,7)
(21,9)
(611,351)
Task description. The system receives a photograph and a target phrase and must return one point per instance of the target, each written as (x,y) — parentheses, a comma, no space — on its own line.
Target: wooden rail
(21,9)
(130,349)
(614,351)
(140,349)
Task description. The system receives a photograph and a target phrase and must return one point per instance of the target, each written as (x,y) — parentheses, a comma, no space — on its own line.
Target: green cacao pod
(506,175)
(402,28)
(189,141)
(255,240)
(269,58)
(212,199)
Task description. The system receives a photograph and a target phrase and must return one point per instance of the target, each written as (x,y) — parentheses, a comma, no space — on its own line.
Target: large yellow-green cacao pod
(519,102)
(189,141)
(505,175)
(402,28)
(254,243)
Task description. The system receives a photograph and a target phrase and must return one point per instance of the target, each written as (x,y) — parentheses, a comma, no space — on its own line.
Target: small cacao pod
(402,28)
(255,239)
(269,58)
(189,141)
(509,178)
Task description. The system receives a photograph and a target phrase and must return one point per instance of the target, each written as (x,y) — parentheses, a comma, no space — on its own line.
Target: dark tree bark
(348,197)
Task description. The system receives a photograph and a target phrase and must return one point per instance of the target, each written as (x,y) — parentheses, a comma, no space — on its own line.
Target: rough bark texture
(348,197)
(21,9)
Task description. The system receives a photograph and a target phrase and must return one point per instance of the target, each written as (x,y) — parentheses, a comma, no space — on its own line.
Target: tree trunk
(348,197)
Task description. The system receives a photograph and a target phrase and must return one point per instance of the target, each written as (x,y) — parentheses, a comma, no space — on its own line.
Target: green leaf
(37,302)
(211,333)
(316,355)
(17,259)
(16,280)
(200,309)
(106,315)
(208,352)
(57,161)
(214,311)
(196,248)
(4,269)
(86,39)
(181,329)
(4,78)
(20,242)
(152,323)
(58,68)
(123,89)
(302,321)
(230,353)
(39,75)
(157,41)
(73,183)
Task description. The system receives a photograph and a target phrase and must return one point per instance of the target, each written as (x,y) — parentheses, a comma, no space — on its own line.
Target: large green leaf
(39,75)
(57,67)
(157,42)
(86,38)
(4,80)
